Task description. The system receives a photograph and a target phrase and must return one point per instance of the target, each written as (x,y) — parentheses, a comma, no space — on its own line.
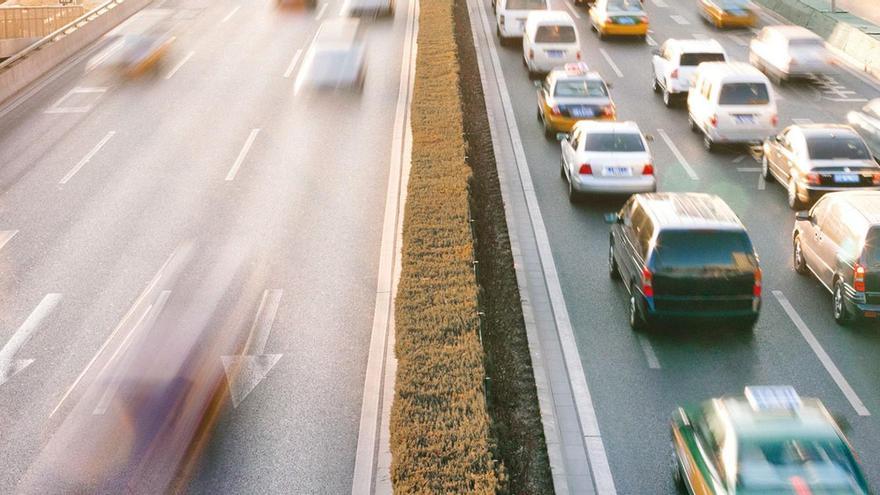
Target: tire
(549,133)
(540,116)
(667,99)
(797,257)
(765,168)
(693,124)
(613,269)
(747,324)
(562,173)
(709,144)
(794,201)
(838,301)
(574,197)
(655,84)
(636,318)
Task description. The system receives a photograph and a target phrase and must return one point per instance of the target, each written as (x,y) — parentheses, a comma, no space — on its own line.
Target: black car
(684,255)
(838,241)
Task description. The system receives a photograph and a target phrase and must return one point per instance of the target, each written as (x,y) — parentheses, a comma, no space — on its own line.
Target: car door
(659,62)
(570,149)
(809,236)
(627,244)
(830,235)
(787,160)
(777,158)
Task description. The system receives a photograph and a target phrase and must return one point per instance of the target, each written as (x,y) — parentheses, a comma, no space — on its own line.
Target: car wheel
(562,173)
(678,477)
(655,85)
(540,115)
(708,143)
(765,167)
(636,318)
(800,263)
(549,132)
(573,195)
(841,315)
(794,201)
(613,270)
(692,123)
(667,98)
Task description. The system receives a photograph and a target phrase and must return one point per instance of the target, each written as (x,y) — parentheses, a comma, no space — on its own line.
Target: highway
(637,380)
(210,205)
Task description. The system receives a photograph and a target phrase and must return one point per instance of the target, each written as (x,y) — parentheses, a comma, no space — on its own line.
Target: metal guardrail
(61,32)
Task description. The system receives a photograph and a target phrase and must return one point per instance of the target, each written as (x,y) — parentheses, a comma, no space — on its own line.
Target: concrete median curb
(29,69)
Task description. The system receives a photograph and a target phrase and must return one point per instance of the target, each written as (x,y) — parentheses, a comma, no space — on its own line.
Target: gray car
(811,160)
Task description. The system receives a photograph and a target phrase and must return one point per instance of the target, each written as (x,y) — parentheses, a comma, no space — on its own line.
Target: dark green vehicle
(768,441)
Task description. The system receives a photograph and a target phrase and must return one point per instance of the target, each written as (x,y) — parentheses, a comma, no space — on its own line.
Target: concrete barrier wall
(862,47)
(24,72)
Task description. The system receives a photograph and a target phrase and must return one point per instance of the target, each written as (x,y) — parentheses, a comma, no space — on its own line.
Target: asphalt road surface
(636,381)
(194,202)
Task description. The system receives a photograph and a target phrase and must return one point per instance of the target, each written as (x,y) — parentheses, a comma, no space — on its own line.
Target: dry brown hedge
(439,424)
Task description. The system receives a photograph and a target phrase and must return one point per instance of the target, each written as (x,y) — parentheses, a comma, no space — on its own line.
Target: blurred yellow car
(619,18)
(139,45)
(728,13)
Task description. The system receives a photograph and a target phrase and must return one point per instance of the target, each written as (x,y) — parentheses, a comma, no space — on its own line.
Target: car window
(744,94)
(837,147)
(641,228)
(555,34)
(625,5)
(704,250)
(613,142)
(732,4)
(820,209)
(584,87)
(872,248)
(837,229)
(526,5)
(575,139)
(694,59)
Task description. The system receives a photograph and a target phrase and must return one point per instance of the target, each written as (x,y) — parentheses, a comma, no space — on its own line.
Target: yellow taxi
(619,18)
(570,94)
(728,13)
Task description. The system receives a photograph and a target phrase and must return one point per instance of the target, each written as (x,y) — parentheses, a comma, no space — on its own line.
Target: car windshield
(694,59)
(526,5)
(625,5)
(703,250)
(781,466)
(837,148)
(732,4)
(555,34)
(744,94)
(583,87)
(613,142)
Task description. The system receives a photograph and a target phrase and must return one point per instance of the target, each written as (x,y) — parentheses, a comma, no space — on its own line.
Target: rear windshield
(744,94)
(806,43)
(584,88)
(614,142)
(695,59)
(703,250)
(625,6)
(555,34)
(872,248)
(837,147)
(822,466)
(526,5)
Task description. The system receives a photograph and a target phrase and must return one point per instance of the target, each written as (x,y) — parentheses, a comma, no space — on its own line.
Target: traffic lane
(767,361)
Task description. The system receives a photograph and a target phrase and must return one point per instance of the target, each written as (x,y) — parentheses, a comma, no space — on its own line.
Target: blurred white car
(510,17)
(675,63)
(784,52)
(336,58)
(550,40)
(607,158)
(363,8)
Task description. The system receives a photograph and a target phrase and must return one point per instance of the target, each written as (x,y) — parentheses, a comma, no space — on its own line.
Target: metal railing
(61,32)
(31,22)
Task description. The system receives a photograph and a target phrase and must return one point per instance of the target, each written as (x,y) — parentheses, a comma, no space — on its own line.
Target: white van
(510,17)
(731,102)
(550,40)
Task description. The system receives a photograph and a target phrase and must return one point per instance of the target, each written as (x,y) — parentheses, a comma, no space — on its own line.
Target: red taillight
(586,169)
(578,55)
(774,120)
(644,19)
(875,179)
(555,110)
(648,169)
(813,179)
(759,277)
(674,74)
(859,278)
(713,120)
(647,282)
(531,54)
(608,110)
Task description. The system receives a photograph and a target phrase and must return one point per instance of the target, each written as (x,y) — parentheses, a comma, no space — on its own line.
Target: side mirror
(612,218)
(561,136)
(803,216)
(649,138)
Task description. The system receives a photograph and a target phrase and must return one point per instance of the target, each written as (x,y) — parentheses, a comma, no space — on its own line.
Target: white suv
(550,40)
(510,17)
(675,62)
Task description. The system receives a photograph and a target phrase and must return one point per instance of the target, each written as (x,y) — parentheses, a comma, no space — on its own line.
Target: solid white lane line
(610,62)
(8,364)
(681,159)
(660,4)
(571,9)
(230,14)
(321,12)
(242,154)
(680,19)
(293,62)
(6,236)
(823,356)
(373,451)
(650,355)
(179,65)
(86,158)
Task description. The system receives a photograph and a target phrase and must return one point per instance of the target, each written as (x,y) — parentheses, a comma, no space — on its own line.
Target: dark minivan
(684,255)
(838,240)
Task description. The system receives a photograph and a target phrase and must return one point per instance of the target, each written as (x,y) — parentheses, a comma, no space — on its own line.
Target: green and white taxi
(766,441)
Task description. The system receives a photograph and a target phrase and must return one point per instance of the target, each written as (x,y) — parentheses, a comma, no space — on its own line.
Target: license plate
(846,178)
(617,171)
(581,113)
(625,20)
(745,119)
(555,53)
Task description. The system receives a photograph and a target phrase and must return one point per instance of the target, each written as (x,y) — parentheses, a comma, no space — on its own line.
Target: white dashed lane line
(680,20)
(680,157)
(86,159)
(242,154)
(6,236)
(611,62)
(230,14)
(648,350)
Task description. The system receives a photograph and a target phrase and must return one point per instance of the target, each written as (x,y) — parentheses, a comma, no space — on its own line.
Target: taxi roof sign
(773,398)
(576,69)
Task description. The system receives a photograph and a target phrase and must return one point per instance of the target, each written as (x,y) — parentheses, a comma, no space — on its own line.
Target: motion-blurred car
(619,18)
(137,46)
(607,158)
(811,160)
(728,13)
(550,40)
(336,59)
(767,441)
(366,8)
(511,15)
(867,123)
(675,62)
(684,256)
(571,94)
(308,4)
(731,102)
(786,52)
(838,241)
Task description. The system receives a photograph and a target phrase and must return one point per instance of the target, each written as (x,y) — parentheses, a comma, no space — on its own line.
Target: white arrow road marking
(6,236)
(246,371)
(9,366)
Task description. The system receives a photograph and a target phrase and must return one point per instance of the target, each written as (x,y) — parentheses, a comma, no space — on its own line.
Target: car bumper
(816,192)
(735,21)
(752,135)
(565,124)
(616,185)
(542,64)
(624,30)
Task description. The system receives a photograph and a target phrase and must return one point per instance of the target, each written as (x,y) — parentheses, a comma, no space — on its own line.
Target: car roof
(793,32)
(820,130)
(563,74)
(725,69)
(697,46)
(338,31)
(627,126)
(689,211)
(864,203)
(548,16)
(809,419)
